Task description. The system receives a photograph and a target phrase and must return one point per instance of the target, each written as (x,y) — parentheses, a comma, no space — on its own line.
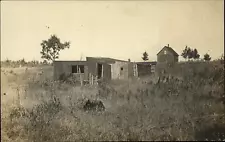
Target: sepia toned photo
(149,70)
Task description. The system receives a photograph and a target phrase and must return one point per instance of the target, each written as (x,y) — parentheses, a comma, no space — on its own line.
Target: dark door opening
(99,68)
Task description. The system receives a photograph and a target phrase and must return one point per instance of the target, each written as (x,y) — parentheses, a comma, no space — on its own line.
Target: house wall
(131,69)
(143,69)
(92,68)
(107,72)
(176,58)
(116,71)
(135,70)
(169,57)
(65,67)
(153,68)
(110,70)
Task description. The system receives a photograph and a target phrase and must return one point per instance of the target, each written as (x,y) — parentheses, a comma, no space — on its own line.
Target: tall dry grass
(189,106)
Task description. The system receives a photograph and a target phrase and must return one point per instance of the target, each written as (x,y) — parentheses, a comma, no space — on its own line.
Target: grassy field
(188,106)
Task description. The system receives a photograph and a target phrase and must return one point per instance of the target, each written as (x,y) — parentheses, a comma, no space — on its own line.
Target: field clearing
(138,109)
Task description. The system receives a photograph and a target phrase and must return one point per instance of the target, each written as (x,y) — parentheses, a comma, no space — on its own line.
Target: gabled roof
(104,59)
(170,49)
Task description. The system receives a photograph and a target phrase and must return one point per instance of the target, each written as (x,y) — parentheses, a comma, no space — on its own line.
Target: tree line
(23,62)
(52,47)
(188,53)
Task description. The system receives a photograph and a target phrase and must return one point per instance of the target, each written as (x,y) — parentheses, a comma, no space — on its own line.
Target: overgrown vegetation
(187,103)
(23,63)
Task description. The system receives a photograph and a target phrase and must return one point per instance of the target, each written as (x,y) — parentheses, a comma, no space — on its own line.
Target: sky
(116,29)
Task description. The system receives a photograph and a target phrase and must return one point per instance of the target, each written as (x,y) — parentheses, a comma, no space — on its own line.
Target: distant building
(167,55)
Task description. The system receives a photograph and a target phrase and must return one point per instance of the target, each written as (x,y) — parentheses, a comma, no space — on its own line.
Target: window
(121,69)
(74,69)
(78,68)
(100,71)
(164,51)
(81,67)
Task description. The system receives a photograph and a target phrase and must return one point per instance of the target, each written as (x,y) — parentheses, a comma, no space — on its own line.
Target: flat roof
(69,61)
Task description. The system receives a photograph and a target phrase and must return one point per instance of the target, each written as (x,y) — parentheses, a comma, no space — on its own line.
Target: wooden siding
(116,71)
(65,67)
(143,69)
(169,57)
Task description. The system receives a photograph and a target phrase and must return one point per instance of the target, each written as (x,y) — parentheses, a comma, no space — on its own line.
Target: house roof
(104,59)
(170,49)
(147,63)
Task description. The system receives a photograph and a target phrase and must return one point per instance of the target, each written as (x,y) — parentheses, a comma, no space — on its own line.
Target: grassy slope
(135,110)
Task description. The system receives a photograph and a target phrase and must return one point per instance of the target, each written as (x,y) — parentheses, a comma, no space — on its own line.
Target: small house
(167,55)
(100,67)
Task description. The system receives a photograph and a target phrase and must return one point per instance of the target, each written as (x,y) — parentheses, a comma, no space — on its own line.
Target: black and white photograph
(112,70)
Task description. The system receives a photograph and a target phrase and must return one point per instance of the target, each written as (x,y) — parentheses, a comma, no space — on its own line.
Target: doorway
(100,70)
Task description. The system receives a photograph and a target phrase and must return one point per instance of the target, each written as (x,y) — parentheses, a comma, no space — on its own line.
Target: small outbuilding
(99,67)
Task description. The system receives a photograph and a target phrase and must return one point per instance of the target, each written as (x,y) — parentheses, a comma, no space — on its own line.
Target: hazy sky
(117,29)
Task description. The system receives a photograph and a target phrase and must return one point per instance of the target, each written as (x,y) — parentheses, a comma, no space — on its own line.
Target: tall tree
(195,54)
(184,53)
(207,57)
(52,47)
(189,53)
(145,56)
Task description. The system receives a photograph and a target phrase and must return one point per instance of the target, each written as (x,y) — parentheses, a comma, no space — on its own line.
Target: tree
(52,47)
(45,62)
(207,57)
(184,53)
(145,56)
(7,60)
(195,54)
(22,61)
(189,53)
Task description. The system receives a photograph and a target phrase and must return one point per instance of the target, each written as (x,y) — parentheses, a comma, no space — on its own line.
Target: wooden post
(102,71)
(81,81)
(96,80)
(89,78)
(92,78)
